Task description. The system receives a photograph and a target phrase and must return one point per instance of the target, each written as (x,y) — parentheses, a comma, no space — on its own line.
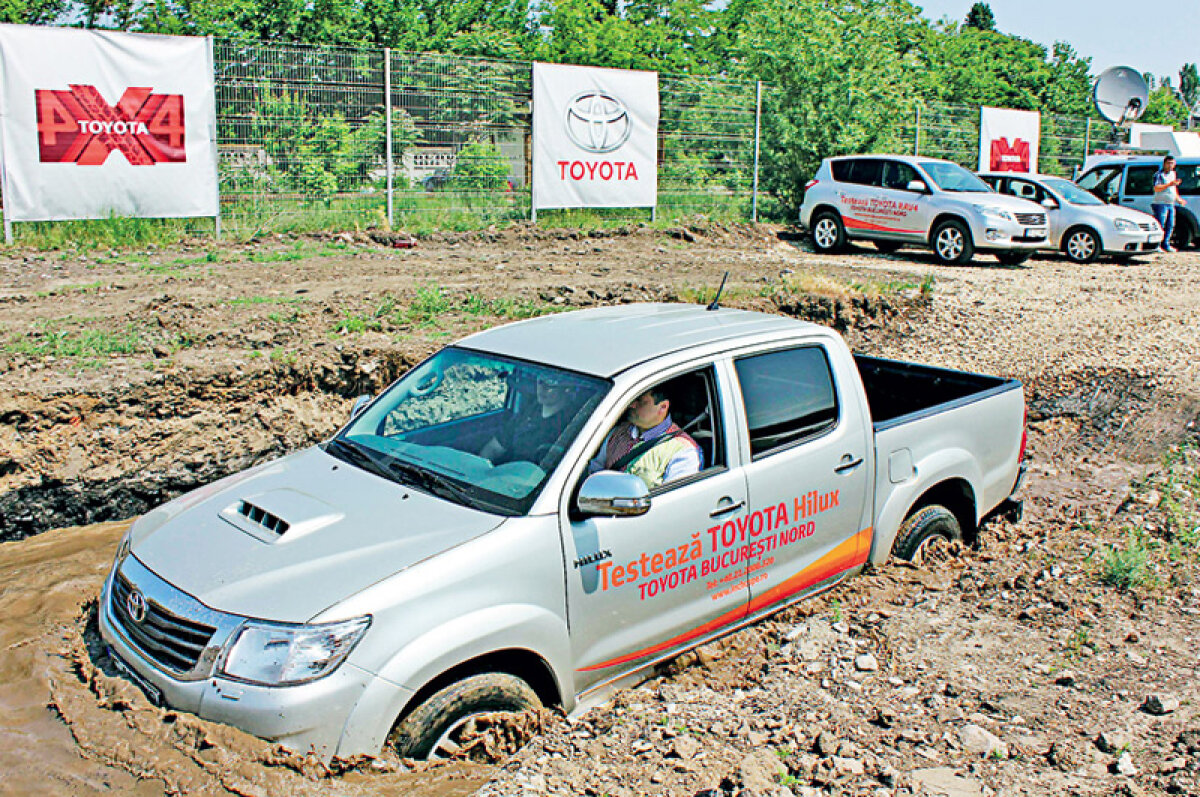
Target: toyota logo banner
(96,124)
(595,137)
(1008,140)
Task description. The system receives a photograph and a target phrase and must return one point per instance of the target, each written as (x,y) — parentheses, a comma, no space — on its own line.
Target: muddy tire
(828,233)
(928,528)
(952,244)
(425,731)
(1081,245)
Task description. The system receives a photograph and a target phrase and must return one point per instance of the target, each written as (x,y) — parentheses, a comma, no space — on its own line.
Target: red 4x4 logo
(78,126)
(1007,157)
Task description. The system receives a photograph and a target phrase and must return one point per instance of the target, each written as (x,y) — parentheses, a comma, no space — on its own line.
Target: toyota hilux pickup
(391,583)
(899,200)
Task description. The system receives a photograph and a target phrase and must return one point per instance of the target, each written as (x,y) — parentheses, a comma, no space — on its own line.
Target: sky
(1157,37)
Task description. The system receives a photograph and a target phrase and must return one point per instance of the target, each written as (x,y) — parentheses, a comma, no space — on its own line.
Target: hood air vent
(262,517)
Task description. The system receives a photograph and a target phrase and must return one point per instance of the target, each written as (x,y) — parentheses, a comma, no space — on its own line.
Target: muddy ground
(1057,657)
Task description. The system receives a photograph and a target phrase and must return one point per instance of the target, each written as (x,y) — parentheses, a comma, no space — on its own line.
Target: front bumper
(327,716)
(1131,242)
(990,233)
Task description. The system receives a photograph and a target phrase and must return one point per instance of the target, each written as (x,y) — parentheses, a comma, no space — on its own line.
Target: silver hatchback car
(1081,226)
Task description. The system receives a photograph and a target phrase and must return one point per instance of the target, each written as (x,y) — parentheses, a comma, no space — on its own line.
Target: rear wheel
(1081,245)
(952,243)
(828,233)
(926,534)
(887,247)
(437,727)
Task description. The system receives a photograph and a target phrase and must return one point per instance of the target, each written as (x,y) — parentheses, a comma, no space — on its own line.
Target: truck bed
(899,392)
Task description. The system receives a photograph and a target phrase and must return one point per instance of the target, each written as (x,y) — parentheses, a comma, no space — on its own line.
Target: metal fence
(334,135)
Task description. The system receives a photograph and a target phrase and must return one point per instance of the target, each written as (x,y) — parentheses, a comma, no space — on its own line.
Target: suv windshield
(952,177)
(1071,192)
(477,429)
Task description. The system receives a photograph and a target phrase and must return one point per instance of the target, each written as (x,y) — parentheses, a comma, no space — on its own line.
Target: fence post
(917,134)
(387,109)
(1087,138)
(757,137)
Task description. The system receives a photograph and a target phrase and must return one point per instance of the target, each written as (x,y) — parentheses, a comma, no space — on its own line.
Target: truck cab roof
(605,341)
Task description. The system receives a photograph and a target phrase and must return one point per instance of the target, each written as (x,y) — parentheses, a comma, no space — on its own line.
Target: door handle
(1130,201)
(848,464)
(725,510)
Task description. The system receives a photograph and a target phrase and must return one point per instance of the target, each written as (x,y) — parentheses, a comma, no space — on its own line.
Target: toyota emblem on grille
(136,604)
(598,122)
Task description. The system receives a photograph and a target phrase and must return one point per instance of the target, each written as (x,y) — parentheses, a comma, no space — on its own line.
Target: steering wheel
(547,453)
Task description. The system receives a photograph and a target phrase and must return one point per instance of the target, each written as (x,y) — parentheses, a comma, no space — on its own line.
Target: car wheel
(828,233)
(1081,245)
(435,727)
(925,533)
(887,247)
(1012,258)
(952,243)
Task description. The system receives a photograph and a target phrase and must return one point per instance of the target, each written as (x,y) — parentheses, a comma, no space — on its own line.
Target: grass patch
(55,339)
(118,232)
(68,290)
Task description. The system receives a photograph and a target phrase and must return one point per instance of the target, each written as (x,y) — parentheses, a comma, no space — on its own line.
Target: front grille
(1031,219)
(170,640)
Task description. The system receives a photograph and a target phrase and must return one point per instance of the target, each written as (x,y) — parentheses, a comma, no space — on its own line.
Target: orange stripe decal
(848,554)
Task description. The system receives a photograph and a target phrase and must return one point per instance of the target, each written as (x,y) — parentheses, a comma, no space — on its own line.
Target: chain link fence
(304,136)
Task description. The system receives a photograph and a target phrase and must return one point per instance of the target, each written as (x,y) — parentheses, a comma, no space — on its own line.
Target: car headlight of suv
(1125,225)
(997,213)
(274,654)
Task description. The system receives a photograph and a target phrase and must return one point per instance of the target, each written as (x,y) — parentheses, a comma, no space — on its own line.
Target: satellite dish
(1121,94)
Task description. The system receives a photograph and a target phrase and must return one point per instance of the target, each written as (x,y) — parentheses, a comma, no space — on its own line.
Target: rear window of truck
(788,396)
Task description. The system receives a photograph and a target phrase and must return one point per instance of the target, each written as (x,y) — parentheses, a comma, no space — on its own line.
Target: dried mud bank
(1058,657)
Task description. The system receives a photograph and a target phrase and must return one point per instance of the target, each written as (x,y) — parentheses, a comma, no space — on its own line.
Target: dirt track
(131,377)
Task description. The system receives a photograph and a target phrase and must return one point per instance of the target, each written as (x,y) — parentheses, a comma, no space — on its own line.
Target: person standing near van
(1166,197)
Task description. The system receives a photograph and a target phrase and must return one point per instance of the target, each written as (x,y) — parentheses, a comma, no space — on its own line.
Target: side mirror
(918,186)
(613,494)
(1049,203)
(360,404)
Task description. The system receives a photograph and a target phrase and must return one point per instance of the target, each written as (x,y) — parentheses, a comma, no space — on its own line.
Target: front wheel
(1081,245)
(828,233)
(929,529)
(952,243)
(1012,258)
(441,724)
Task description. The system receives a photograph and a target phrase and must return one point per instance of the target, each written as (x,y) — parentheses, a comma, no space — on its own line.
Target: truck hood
(290,538)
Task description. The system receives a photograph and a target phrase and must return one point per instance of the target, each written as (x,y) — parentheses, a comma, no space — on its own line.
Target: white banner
(595,137)
(96,124)
(1008,140)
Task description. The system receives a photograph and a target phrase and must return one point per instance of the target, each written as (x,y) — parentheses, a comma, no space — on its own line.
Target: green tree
(1165,106)
(980,17)
(841,76)
(1189,84)
(31,12)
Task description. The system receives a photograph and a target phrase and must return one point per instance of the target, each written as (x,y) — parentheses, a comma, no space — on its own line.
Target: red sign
(78,126)
(1007,157)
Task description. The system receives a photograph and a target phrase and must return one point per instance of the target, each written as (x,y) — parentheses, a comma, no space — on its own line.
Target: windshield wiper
(360,455)
(435,483)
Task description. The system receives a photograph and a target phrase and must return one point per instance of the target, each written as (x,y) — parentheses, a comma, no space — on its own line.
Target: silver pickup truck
(389,584)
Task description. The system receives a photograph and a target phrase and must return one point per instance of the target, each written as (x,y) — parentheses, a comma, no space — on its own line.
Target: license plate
(1035,232)
(153,693)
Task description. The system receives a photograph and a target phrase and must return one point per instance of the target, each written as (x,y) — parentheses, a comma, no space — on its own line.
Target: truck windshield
(952,177)
(1071,192)
(477,429)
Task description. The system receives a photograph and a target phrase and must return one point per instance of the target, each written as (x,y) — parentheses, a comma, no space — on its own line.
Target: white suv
(894,200)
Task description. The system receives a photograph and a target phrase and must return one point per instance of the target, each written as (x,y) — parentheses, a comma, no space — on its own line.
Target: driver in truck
(536,428)
(648,444)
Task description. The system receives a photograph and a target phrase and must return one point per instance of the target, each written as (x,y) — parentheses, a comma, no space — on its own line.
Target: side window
(1190,175)
(1024,190)
(841,170)
(788,396)
(693,407)
(1139,180)
(897,175)
(994,182)
(867,171)
(1102,182)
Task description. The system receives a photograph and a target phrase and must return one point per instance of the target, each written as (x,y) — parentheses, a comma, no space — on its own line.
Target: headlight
(999,213)
(284,655)
(1125,225)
